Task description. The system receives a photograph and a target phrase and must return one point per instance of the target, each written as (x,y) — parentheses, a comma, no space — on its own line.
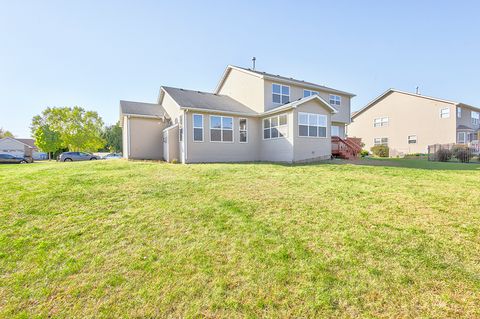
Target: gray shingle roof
(139,108)
(207,101)
(300,82)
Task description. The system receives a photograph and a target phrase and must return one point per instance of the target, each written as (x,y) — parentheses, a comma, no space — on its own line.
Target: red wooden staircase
(346,148)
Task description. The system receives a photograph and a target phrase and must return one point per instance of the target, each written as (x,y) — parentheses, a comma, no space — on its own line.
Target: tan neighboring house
(22,147)
(409,122)
(251,116)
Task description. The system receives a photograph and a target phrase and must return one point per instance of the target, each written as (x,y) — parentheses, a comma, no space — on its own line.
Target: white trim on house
(240,130)
(197,127)
(278,126)
(317,126)
(281,93)
(221,129)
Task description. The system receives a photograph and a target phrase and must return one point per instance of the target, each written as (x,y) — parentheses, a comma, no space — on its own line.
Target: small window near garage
(307,93)
(380,141)
(381,121)
(412,139)
(198,127)
(221,129)
(243,130)
(275,127)
(312,125)
(335,100)
(280,93)
(445,113)
(459,112)
(475,118)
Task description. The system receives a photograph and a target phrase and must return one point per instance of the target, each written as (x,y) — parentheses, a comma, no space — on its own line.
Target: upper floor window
(412,139)
(335,99)
(280,93)
(445,113)
(475,118)
(307,93)
(243,130)
(381,121)
(312,125)
(221,129)
(198,127)
(380,141)
(275,127)
(459,112)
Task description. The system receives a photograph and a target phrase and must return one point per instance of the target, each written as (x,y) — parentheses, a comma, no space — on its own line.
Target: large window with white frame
(275,127)
(312,125)
(380,141)
(462,137)
(307,93)
(280,93)
(221,128)
(412,139)
(445,113)
(243,130)
(381,121)
(475,118)
(197,127)
(335,99)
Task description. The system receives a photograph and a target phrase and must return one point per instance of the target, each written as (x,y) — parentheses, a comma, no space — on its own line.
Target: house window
(312,125)
(198,127)
(445,113)
(221,129)
(381,121)
(475,118)
(380,141)
(335,99)
(243,130)
(275,127)
(307,93)
(335,130)
(180,128)
(280,93)
(462,138)
(459,112)
(412,139)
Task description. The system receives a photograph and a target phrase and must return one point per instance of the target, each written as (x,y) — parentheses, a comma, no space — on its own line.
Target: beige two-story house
(250,116)
(409,122)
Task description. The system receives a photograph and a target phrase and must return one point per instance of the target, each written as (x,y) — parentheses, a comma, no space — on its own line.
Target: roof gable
(19,141)
(301,101)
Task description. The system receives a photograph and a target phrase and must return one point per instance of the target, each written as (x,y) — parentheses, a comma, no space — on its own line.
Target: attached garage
(17,147)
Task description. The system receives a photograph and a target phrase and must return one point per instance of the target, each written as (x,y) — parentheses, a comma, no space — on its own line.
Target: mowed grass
(118,239)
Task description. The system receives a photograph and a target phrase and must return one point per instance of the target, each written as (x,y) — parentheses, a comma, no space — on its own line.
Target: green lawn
(145,240)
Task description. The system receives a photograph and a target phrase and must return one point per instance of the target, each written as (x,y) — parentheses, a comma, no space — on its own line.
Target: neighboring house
(251,116)
(21,147)
(409,122)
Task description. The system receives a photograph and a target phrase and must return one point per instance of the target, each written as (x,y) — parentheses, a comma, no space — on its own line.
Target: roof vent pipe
(417,91)
(253,62)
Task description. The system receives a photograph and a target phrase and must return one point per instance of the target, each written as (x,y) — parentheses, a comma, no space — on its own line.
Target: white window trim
(308,125)
(240,131)
(448,113)
(270,118)
(459,112)
(464,137)
(281,94)
(194,127)
(384,121)
(311,92)
(334,98)
(408,139)
(475,120)
(221,129)
(388,140)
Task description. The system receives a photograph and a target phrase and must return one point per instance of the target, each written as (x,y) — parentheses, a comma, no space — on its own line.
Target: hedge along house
(251,116)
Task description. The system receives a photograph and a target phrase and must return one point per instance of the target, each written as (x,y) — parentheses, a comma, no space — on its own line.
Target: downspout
(129,136)
(185,136)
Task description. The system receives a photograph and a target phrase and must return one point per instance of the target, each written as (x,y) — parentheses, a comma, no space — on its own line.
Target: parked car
(113,156)
(10,159)
(76,156)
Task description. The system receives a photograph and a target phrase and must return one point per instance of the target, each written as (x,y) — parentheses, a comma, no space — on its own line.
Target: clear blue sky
(94,53)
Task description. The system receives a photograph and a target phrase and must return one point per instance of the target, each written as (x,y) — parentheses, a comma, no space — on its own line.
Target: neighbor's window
(307,93)
(335,130)
(221,129)
(198,127)
(381,121)
(475,118)
(380,141)
(275,127)
(312,125)
(462,138)
(335,99)
(459,112)
(280,93)
(445,113)
(412,139)
(243,130)
(180,128)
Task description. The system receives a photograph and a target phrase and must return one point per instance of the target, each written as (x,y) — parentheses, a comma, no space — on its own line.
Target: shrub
(380,150)
(443,155)
(364,153)
(464,155)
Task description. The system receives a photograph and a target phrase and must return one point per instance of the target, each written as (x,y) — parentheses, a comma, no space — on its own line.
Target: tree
(5,133)
(75,128)
(113,136)
(47,140)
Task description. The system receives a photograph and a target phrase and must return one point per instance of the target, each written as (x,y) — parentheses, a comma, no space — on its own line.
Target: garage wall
(13,147)
(146,138)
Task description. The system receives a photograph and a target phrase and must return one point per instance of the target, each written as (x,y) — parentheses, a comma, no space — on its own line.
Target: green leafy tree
(113,136)
(5,133)
(47,140)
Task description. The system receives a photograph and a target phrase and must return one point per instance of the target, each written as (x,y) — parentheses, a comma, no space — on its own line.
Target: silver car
(76,156)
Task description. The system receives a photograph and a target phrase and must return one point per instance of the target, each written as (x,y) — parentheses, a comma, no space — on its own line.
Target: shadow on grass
(412,163)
